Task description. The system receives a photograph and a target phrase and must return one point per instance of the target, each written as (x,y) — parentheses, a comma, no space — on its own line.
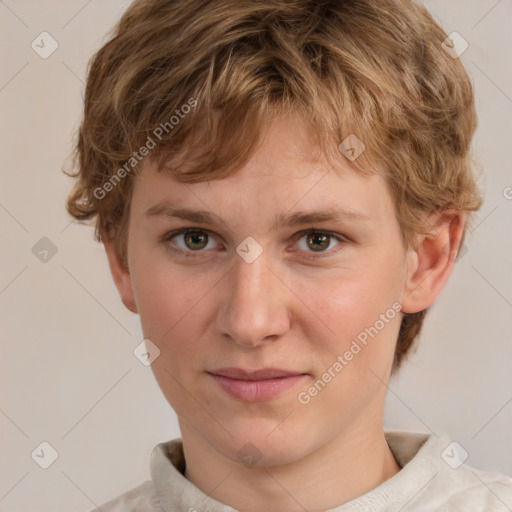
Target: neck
(348,466)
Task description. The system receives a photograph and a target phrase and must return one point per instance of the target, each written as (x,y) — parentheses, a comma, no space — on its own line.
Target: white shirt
(433,478)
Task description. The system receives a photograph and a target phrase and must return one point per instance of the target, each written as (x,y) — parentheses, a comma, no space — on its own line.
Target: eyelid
(187,253)
(296,237)
(322,254)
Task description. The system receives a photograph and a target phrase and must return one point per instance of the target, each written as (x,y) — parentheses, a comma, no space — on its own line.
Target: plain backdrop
(68,373)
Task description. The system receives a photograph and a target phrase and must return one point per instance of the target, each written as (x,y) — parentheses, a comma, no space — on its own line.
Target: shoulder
(436,478)
(141,498)
(165,461)
(481,491)
(467,489)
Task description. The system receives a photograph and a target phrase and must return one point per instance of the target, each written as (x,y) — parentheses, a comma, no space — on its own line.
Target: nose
(254,303)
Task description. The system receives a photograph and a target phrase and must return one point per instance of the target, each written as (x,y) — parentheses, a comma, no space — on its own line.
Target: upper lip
(260,374)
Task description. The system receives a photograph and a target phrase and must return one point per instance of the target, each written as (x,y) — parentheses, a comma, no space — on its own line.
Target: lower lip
(257,390)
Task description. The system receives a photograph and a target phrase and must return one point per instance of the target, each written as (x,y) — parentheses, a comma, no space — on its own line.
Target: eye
(317,241)
(195,240)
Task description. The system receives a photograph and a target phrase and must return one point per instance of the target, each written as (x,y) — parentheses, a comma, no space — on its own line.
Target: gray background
(68,374)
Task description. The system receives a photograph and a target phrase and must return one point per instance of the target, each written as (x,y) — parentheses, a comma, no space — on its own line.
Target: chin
(261,445)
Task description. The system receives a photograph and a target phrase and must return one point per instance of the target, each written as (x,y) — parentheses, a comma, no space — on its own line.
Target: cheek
(346,306)
(357,313)
(170,303)
(357,343)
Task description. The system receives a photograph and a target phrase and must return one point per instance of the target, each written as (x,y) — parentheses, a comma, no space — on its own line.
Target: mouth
(256,385)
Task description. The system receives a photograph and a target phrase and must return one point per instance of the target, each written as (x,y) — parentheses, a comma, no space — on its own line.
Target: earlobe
(430,263)
(120,273)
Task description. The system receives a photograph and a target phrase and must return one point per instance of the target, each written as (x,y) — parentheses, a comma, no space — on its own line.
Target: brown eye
(195,240)
(188,241)
(319,242)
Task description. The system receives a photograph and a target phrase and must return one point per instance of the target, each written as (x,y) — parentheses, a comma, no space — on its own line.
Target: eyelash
(169,236)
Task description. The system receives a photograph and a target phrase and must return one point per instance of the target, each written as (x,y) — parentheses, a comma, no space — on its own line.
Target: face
(249,290)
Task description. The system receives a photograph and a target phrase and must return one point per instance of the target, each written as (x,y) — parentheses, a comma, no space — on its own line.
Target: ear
(431,262)
(120,272)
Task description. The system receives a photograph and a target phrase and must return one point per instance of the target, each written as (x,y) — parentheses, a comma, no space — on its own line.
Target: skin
(283,310)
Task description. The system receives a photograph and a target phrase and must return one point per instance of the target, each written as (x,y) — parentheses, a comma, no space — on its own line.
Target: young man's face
(221,303)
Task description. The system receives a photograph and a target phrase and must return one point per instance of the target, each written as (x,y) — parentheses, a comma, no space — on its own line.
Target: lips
(256,385)
(261,374)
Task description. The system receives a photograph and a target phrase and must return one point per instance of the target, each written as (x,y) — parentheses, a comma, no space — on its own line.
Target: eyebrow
(167,209)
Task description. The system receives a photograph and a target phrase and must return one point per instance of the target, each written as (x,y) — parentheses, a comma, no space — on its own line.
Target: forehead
(284,175)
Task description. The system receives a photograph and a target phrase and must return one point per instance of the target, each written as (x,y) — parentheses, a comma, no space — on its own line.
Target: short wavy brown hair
(375,69)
